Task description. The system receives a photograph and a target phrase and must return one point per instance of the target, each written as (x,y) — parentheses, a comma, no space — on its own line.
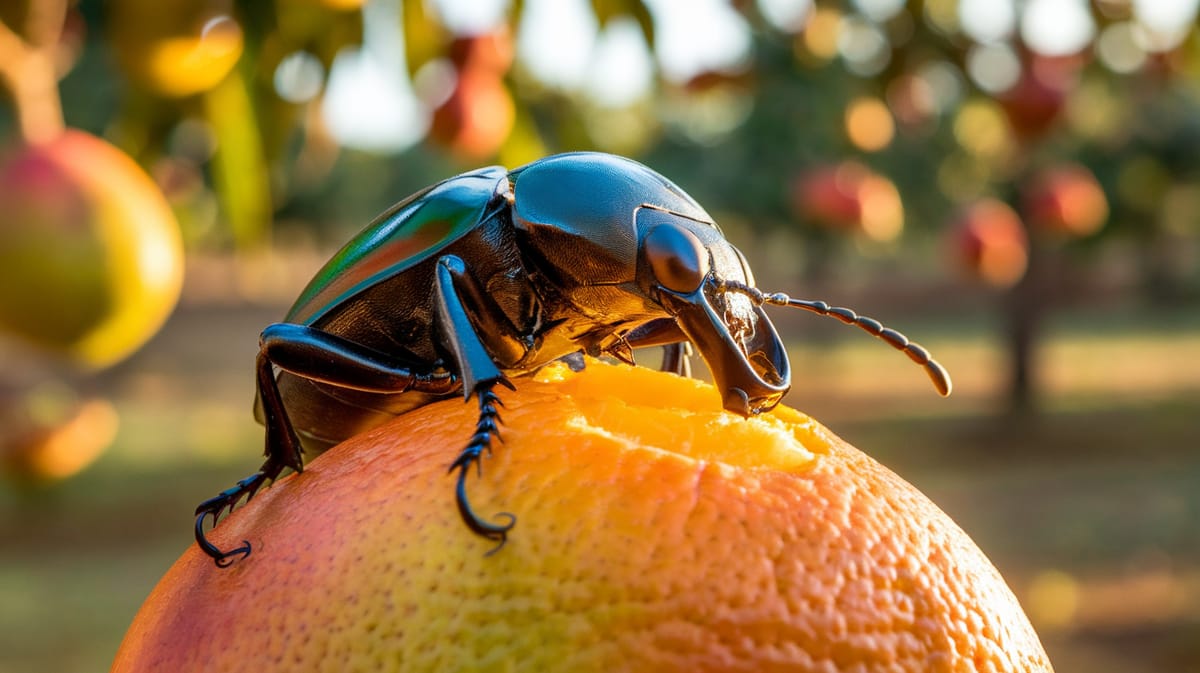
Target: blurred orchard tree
(1027,139)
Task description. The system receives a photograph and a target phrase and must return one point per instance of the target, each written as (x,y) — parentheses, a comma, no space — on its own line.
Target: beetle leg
(457,328)
(463,318)
(282,449)
(318,356)
(327,358)
(665,332)
(621,350)
(677,358)
(485,428)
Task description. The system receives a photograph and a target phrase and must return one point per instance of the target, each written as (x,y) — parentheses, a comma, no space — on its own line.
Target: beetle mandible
(491,274)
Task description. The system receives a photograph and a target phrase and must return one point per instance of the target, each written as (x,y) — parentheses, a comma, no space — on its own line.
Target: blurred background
(1014,183)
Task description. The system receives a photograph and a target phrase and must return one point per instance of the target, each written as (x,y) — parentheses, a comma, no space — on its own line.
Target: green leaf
(425,38)
(239,168)
(607,10)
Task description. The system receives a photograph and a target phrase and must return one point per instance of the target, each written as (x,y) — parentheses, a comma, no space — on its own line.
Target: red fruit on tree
(477,117)
(1066,200)
(988,240)
(850,197)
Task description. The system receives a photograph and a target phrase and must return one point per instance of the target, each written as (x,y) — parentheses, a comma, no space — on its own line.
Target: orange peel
(655,532)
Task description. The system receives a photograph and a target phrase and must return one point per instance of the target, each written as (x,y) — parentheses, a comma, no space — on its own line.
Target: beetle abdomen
(324,415)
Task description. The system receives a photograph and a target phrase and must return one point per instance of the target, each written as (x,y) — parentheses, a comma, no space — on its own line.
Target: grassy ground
(1091,508)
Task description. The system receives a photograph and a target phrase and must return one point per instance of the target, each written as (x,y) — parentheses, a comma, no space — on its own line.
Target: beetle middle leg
(457,329)
(486,428)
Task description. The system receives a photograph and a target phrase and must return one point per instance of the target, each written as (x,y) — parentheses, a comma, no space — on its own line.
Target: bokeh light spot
(1053,598)
(822,32)
(981,129)
(786,15)
(1057,27)
(987,20)
(299,77)
(864,47)
(869,124)
(1118,48)
(994,67)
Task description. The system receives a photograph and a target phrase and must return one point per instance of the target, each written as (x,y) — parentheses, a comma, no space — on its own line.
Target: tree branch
(27,71)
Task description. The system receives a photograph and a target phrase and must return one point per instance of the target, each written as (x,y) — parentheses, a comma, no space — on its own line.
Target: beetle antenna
(915,352)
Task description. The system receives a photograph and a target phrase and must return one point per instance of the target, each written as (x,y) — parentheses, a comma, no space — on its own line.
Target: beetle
(489,275)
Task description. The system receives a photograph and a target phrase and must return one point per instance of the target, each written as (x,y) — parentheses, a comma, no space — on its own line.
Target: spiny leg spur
(486,428)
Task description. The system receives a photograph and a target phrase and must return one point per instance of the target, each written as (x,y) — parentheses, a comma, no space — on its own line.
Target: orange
(655,532)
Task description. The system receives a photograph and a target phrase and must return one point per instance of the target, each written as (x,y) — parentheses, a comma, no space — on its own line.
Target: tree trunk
(1024,308)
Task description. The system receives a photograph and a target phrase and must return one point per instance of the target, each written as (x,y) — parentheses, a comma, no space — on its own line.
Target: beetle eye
(677,258)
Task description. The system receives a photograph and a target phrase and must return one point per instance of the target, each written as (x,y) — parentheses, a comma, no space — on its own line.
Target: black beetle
(494,273)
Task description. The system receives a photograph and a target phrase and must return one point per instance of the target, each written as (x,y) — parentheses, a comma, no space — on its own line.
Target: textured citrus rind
(655,533)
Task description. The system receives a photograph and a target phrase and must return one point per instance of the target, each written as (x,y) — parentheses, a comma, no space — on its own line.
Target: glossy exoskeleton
(491,274)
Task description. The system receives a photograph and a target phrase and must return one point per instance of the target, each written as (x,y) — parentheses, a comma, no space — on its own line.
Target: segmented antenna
(915,352)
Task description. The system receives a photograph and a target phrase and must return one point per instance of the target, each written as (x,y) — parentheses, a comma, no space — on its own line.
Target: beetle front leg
(677,359)
(665,332)
(457,330)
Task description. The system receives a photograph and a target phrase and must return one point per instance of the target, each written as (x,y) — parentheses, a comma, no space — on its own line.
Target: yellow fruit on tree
(91,259)
(35,451)
(174,48)
(655,532)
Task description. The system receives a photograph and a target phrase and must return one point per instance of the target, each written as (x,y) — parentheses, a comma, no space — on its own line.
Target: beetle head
(626,243)
(684,265)
(576,212)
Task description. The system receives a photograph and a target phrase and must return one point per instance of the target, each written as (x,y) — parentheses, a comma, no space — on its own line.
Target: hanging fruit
(988,241)
(90,254)
(849,197)
(174,48)
(1065,200)
(477,117)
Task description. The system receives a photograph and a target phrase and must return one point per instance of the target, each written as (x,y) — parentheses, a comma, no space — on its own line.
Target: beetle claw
(227,558)
(482,528)
(222,504)
(223,559)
